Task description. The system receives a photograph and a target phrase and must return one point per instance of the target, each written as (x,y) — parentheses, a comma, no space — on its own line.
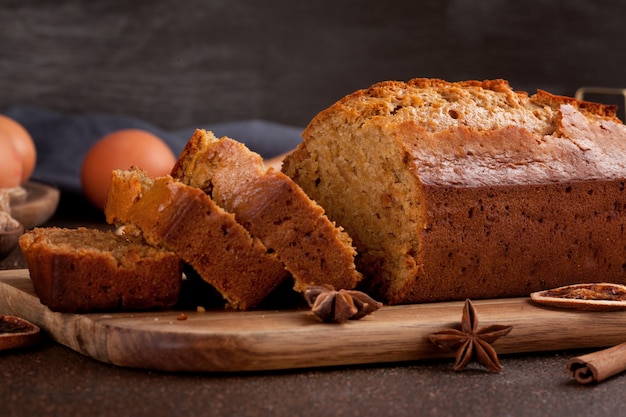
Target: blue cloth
(62,141)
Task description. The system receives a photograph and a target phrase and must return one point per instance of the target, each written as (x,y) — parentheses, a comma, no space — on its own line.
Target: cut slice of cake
(186,220)
(272,208)
(85,270)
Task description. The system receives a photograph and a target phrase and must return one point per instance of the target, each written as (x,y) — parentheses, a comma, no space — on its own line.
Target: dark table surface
(52,380)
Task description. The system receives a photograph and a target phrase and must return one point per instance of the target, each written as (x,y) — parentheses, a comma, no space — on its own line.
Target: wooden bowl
(40,204)
(8,240)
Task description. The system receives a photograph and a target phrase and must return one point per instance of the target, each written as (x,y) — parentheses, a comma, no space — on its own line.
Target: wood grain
(223,341)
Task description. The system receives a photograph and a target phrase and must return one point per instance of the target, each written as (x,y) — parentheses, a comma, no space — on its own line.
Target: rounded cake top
(479,132)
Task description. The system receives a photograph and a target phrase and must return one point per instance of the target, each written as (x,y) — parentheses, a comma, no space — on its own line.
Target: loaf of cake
(86,270)
(469,189)
(272,208)
(185,220)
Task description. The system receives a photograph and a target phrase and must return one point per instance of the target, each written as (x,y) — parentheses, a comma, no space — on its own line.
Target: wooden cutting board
(218,341)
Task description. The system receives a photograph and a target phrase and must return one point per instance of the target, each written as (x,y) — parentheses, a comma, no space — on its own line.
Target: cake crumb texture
(185,220)
(273,208)
(469,189)
(85,270)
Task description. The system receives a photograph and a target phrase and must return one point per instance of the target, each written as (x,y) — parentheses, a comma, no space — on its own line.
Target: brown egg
(122,149)
(10,164)
(23,144)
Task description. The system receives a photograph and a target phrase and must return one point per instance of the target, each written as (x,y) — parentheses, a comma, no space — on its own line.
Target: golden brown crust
(313,249)
(185,220)
(220,167)
(84,270)
(608,112)
(273,208)
(470,189)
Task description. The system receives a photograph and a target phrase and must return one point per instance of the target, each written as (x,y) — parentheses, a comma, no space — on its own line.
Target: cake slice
(185,220)
(85,270)
(272,208)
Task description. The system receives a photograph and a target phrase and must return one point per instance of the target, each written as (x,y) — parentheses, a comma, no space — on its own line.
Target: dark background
(185,63)
(180,64)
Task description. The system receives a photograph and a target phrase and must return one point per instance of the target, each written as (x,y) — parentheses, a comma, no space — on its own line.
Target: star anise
(471,342)
(329,305)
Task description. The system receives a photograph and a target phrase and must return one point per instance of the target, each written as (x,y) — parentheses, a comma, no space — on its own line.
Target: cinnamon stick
(598,366)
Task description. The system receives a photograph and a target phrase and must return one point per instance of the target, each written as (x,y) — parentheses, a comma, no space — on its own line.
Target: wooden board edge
(293,339)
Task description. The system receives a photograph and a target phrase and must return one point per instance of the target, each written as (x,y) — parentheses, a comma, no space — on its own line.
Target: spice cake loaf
(185,220)
(272,208)
(470,189)
(85,270)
